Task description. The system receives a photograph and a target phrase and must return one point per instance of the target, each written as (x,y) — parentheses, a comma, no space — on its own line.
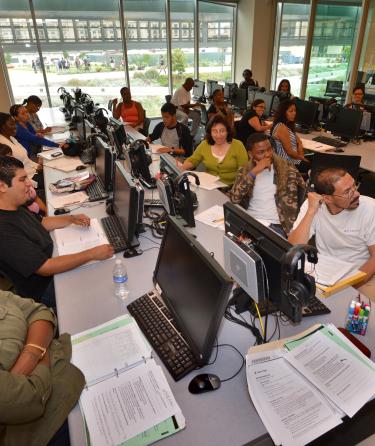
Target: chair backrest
(168,98)
(110,105)
(146,125)
(323,161)
(204,116)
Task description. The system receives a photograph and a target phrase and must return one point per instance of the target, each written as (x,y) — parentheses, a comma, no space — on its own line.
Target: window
(331,51)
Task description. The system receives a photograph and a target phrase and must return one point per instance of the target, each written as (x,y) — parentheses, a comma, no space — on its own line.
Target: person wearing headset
(343,223)
(221,155)
(267,187)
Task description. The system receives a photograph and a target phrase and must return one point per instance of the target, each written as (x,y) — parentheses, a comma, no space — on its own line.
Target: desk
(85,298)
(365,149)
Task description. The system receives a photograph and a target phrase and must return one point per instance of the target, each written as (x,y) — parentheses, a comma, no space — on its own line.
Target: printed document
(126,405)
(292,409)
(335,370)
(213,216)
(65,164)
(315,146)
(68,199)
(109,348)
(74,238)
(208,181)
(328,270)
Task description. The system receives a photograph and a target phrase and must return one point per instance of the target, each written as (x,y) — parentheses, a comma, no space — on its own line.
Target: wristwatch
(42,349)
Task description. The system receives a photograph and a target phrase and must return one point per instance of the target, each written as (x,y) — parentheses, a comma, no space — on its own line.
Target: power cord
(217,346)
(230,317)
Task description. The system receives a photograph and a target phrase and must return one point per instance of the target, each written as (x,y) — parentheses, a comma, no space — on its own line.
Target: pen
(218,220)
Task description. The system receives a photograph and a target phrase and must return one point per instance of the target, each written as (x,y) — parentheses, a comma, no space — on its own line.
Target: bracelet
(42,349)
(34,355)
(252,175)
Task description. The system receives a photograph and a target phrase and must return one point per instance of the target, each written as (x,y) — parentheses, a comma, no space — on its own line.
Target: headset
(183,197)
(100,120)
(138,144)
(185,175)
(298,287)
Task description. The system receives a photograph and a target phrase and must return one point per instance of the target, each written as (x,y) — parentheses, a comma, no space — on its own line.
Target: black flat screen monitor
(268,101)
(198,89)
(117,135)
(345,122)
(228,90)
(270,246)
(194,287)
(334,88)
(239,98)
(80,123)
(104,163)
(212,86)
(306,113)
(125,204)
(168,166)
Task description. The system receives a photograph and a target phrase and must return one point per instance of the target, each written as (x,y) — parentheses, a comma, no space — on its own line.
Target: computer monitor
(274,251)
(268,99)
(344,122)
(239,98)
(80,123)
(198,89)
(228,90)
(139,162)
(194,287)
(104,163)
(334,88)
(126,204)
(306,113)
(212,86)
(168,166)
(117,135)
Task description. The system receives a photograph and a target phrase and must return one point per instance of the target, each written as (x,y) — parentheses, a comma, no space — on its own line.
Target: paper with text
(109,348)
(59,201)
(328,270)
(213,216)
(293,411)
(64,164)
(121,407)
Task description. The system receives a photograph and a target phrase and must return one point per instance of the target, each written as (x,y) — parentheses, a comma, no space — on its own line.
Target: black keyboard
(315,308)
(96,191)
(330,141)
(113,231)
(159,327)
(153,203)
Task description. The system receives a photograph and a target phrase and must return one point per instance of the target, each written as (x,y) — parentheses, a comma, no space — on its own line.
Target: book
(332,275)
(127,399)
(303,386)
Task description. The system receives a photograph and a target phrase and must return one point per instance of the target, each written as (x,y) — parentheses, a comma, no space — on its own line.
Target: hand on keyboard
(102,252)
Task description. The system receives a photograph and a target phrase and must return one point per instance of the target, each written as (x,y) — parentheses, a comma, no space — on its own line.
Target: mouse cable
(234,348)
(148,238)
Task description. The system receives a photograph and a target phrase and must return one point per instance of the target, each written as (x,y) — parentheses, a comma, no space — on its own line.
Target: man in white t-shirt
(185,109)
(342,221)
(268,186)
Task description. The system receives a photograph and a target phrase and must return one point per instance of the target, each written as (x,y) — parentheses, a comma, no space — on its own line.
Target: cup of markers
(358,316)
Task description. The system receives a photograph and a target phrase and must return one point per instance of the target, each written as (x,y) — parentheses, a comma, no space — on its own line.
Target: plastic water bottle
(120,279)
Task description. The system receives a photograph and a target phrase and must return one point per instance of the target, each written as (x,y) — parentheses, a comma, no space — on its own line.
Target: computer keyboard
(114,233)
(158,325)
(330,141)
(315,308)
(153,203)
(96,191)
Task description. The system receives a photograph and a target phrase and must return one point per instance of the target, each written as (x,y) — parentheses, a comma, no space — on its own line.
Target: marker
(350,315)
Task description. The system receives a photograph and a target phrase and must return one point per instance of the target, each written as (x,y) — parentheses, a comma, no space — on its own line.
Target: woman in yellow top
(128,110)
(221,155)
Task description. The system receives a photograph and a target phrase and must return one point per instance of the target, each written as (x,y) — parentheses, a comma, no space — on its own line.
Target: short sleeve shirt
(181,97)
(25,245)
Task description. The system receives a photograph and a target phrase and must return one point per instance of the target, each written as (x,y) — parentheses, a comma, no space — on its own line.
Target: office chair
(168,98)
(110,105)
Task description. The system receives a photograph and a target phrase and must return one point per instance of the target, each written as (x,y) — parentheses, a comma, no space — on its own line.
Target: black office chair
(168,98)
(323,161)
(204,116)
(110,105)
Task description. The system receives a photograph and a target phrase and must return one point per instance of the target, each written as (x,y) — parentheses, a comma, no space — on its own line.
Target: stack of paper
(68,199)
(315,146)
(127,399)
(332,274)
(214,216)
(49,154)
(208,182)
(304,386)
(66,164)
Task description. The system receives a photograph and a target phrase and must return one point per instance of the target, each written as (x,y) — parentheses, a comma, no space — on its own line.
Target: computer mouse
(61,211)
(80,167)
(206,382)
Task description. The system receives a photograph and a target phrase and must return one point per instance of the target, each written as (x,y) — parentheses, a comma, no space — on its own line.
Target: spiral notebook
(127,395)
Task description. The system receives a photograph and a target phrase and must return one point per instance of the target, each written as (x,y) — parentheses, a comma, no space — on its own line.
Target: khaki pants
(368,289)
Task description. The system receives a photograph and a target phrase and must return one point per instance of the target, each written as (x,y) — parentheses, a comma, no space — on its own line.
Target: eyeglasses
(349,194)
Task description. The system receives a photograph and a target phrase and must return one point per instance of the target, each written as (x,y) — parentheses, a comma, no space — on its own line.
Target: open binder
(127,400)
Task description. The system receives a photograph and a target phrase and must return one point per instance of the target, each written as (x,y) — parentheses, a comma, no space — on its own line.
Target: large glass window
(147,53)
(90,63)
(334,38)
(215,43)
(290,49)
(21,54)
(366,73)
(182,17)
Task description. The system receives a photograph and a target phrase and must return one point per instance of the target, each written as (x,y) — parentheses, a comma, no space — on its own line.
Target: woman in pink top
(129,111)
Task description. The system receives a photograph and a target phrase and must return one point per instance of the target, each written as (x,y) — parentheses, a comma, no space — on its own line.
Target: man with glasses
(342,221)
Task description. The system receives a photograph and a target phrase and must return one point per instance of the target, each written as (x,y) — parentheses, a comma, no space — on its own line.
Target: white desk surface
(85,298)
(365,149)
